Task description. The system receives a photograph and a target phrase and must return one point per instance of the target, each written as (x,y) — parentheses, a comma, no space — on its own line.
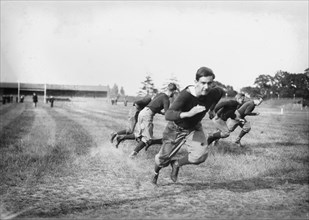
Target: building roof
(41,87)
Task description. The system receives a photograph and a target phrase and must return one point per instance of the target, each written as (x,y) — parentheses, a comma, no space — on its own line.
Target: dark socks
(242,133)
(184,160)
(122,132)
(128,137)
(153,141)
(156,141)
(157,169)
(139,147)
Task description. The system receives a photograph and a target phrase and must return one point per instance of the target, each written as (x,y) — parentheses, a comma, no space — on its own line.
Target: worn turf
(58,163)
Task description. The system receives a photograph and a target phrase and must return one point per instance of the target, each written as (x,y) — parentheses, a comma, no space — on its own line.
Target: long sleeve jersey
(186,101)
(247,109)
(226,109)
(142,103)
(159,102)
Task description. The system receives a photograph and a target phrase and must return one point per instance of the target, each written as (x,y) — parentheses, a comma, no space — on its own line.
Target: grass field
(58,163)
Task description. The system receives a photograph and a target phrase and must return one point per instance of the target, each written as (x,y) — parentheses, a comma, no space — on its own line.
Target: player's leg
(152,142)
(146,130)
(132,120)
(168,148)
(197,152)
(114,134)
(222,130)
(121,138)
(246,127)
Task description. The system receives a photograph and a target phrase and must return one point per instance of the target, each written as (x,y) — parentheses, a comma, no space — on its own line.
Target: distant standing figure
(22,98)
(35,99)
(51,99)
(114,101)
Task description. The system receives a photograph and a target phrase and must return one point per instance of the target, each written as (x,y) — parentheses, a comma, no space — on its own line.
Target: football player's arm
(249,111)
(166,105)
(193,111)
(175,111)
(253,113)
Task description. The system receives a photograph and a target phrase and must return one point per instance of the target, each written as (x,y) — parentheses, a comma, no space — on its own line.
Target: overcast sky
(105,42)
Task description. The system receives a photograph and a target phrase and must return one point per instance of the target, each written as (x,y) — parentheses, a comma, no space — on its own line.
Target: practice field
(58,163)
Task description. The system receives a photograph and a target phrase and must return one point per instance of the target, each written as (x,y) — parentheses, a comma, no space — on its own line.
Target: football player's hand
(211,114)
(197,109)
(193,111)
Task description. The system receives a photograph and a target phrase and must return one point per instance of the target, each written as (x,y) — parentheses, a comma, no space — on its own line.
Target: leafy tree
(122,93)
(108,90)
(114,91)
(172,79)
(148,87)
(300,85)
(251,91)
(290,85)
(283,84)
(265,83)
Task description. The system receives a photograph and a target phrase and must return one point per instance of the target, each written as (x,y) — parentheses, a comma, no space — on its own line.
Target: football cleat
(113,135)
(155,179)
(237,142)
(118,139)
(133,154)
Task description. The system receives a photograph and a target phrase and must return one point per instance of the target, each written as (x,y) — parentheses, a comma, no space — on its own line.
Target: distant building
(7,88)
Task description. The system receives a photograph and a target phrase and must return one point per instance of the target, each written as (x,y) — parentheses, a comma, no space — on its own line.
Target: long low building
(9,88)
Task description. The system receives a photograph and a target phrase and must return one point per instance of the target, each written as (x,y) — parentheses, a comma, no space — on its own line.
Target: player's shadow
(277,144)
(246,185)
(223,147)
(229,148)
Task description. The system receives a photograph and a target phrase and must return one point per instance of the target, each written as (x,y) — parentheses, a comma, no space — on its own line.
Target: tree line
(282,85)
